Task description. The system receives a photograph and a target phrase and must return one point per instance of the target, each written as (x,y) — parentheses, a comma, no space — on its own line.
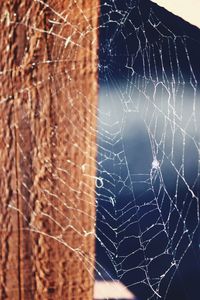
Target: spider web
(148,164)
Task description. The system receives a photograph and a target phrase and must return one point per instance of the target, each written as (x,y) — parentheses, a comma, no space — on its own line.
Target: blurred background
(148,166)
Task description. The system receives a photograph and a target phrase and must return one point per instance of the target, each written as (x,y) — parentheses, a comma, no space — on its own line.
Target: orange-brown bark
(48,98)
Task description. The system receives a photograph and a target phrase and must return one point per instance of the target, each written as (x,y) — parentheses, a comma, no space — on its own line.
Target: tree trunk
(48,96)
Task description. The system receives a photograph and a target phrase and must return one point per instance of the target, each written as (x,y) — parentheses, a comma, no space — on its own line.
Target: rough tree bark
(48,94)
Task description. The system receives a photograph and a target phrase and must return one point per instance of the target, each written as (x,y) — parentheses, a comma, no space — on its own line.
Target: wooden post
(48,97)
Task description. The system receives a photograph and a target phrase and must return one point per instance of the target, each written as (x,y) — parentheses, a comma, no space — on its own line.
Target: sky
(187,10)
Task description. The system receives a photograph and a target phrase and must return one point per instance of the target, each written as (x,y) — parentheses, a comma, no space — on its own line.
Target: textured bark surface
(48,94)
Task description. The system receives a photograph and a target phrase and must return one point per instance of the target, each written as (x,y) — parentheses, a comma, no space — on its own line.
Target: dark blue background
(115,53)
